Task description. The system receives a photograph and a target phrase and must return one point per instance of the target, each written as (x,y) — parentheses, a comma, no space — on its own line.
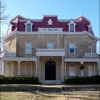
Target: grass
(74,95)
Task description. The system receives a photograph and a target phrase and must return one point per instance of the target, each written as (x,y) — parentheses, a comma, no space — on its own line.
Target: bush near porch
(83,80)
(19,80)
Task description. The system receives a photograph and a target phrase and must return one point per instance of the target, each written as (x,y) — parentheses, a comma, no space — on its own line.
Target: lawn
(74,95)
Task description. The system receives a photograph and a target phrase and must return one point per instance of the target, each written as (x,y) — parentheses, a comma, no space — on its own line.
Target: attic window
(50,22)
(71,25)
(28,26)
(90,28)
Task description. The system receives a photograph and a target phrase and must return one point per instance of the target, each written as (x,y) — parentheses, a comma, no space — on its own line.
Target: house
(51,49)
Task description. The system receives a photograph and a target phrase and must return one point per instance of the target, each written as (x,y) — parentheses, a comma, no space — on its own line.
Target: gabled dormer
(50,22)
(28,26)
(89,28)
(71,26)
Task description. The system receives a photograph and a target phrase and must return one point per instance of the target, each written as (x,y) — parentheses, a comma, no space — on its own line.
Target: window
(72,70)
(71,27)
(28,69)
(10,48)
(28,48)
(91,71)
(71,47)
(28,27)
(90,48)
(50,45)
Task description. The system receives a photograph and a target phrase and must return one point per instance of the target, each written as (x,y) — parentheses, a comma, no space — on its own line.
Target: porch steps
(50,88)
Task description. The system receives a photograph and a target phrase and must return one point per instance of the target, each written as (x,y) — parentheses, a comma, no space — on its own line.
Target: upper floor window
(50,45)
(72,48)
(90,28)
(71,25)
(10,47)
(90,48)
(28,26)
(28,47)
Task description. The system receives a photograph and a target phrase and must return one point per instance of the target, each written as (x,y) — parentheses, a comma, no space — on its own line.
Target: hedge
(83,80)
(19,80)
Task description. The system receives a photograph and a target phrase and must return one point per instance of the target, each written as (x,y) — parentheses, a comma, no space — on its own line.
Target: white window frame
(28,22)
(50,47)
(28,48)
(70,65)
(93,69)
(89,28)
(71,22)
(10,47)
(50,22)
(70,47)
(90,48)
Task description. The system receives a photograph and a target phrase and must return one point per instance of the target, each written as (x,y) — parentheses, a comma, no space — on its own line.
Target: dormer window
(28,26)
(71,25)
(50,22)
(90,28)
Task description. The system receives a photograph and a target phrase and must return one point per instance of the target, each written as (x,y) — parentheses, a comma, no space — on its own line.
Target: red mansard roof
(81,22)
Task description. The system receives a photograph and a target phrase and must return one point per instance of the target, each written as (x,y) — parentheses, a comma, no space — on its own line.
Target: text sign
(50,29)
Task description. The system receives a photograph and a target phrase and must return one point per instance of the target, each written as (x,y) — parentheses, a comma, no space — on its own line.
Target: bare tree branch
(3,16)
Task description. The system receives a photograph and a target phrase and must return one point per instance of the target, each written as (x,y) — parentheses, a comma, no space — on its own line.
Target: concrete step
(49,89)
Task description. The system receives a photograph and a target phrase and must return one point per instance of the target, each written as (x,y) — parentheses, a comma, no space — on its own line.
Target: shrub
(83,80)
(19,80)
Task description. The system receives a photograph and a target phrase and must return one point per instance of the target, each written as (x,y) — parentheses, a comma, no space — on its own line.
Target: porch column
(65,70)
(62,68)
(36,68)
(99,67)
(18,68)
(3,68)
(82,70)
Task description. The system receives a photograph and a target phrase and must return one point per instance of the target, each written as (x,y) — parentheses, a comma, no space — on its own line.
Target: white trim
(83,17)
(28,47)
(28,22)
(26,66)
(71,22)
(50,22)
(74,48)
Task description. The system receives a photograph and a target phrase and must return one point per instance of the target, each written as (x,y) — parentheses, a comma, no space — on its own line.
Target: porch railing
(91,55)
(10,54)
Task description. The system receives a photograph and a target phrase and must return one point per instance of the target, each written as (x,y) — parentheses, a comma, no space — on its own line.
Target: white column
(62,68)
(36,68)
(3,68)
(82,70)
(18,68)
(65,69)
(99,67)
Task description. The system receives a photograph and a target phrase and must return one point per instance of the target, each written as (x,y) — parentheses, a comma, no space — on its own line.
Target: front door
(50,70)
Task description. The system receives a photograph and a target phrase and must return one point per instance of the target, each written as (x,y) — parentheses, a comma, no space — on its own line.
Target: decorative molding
(50,22)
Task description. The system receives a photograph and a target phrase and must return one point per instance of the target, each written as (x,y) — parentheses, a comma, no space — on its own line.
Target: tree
(3,16)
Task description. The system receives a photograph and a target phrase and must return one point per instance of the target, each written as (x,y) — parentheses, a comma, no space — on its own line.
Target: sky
(65,9)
